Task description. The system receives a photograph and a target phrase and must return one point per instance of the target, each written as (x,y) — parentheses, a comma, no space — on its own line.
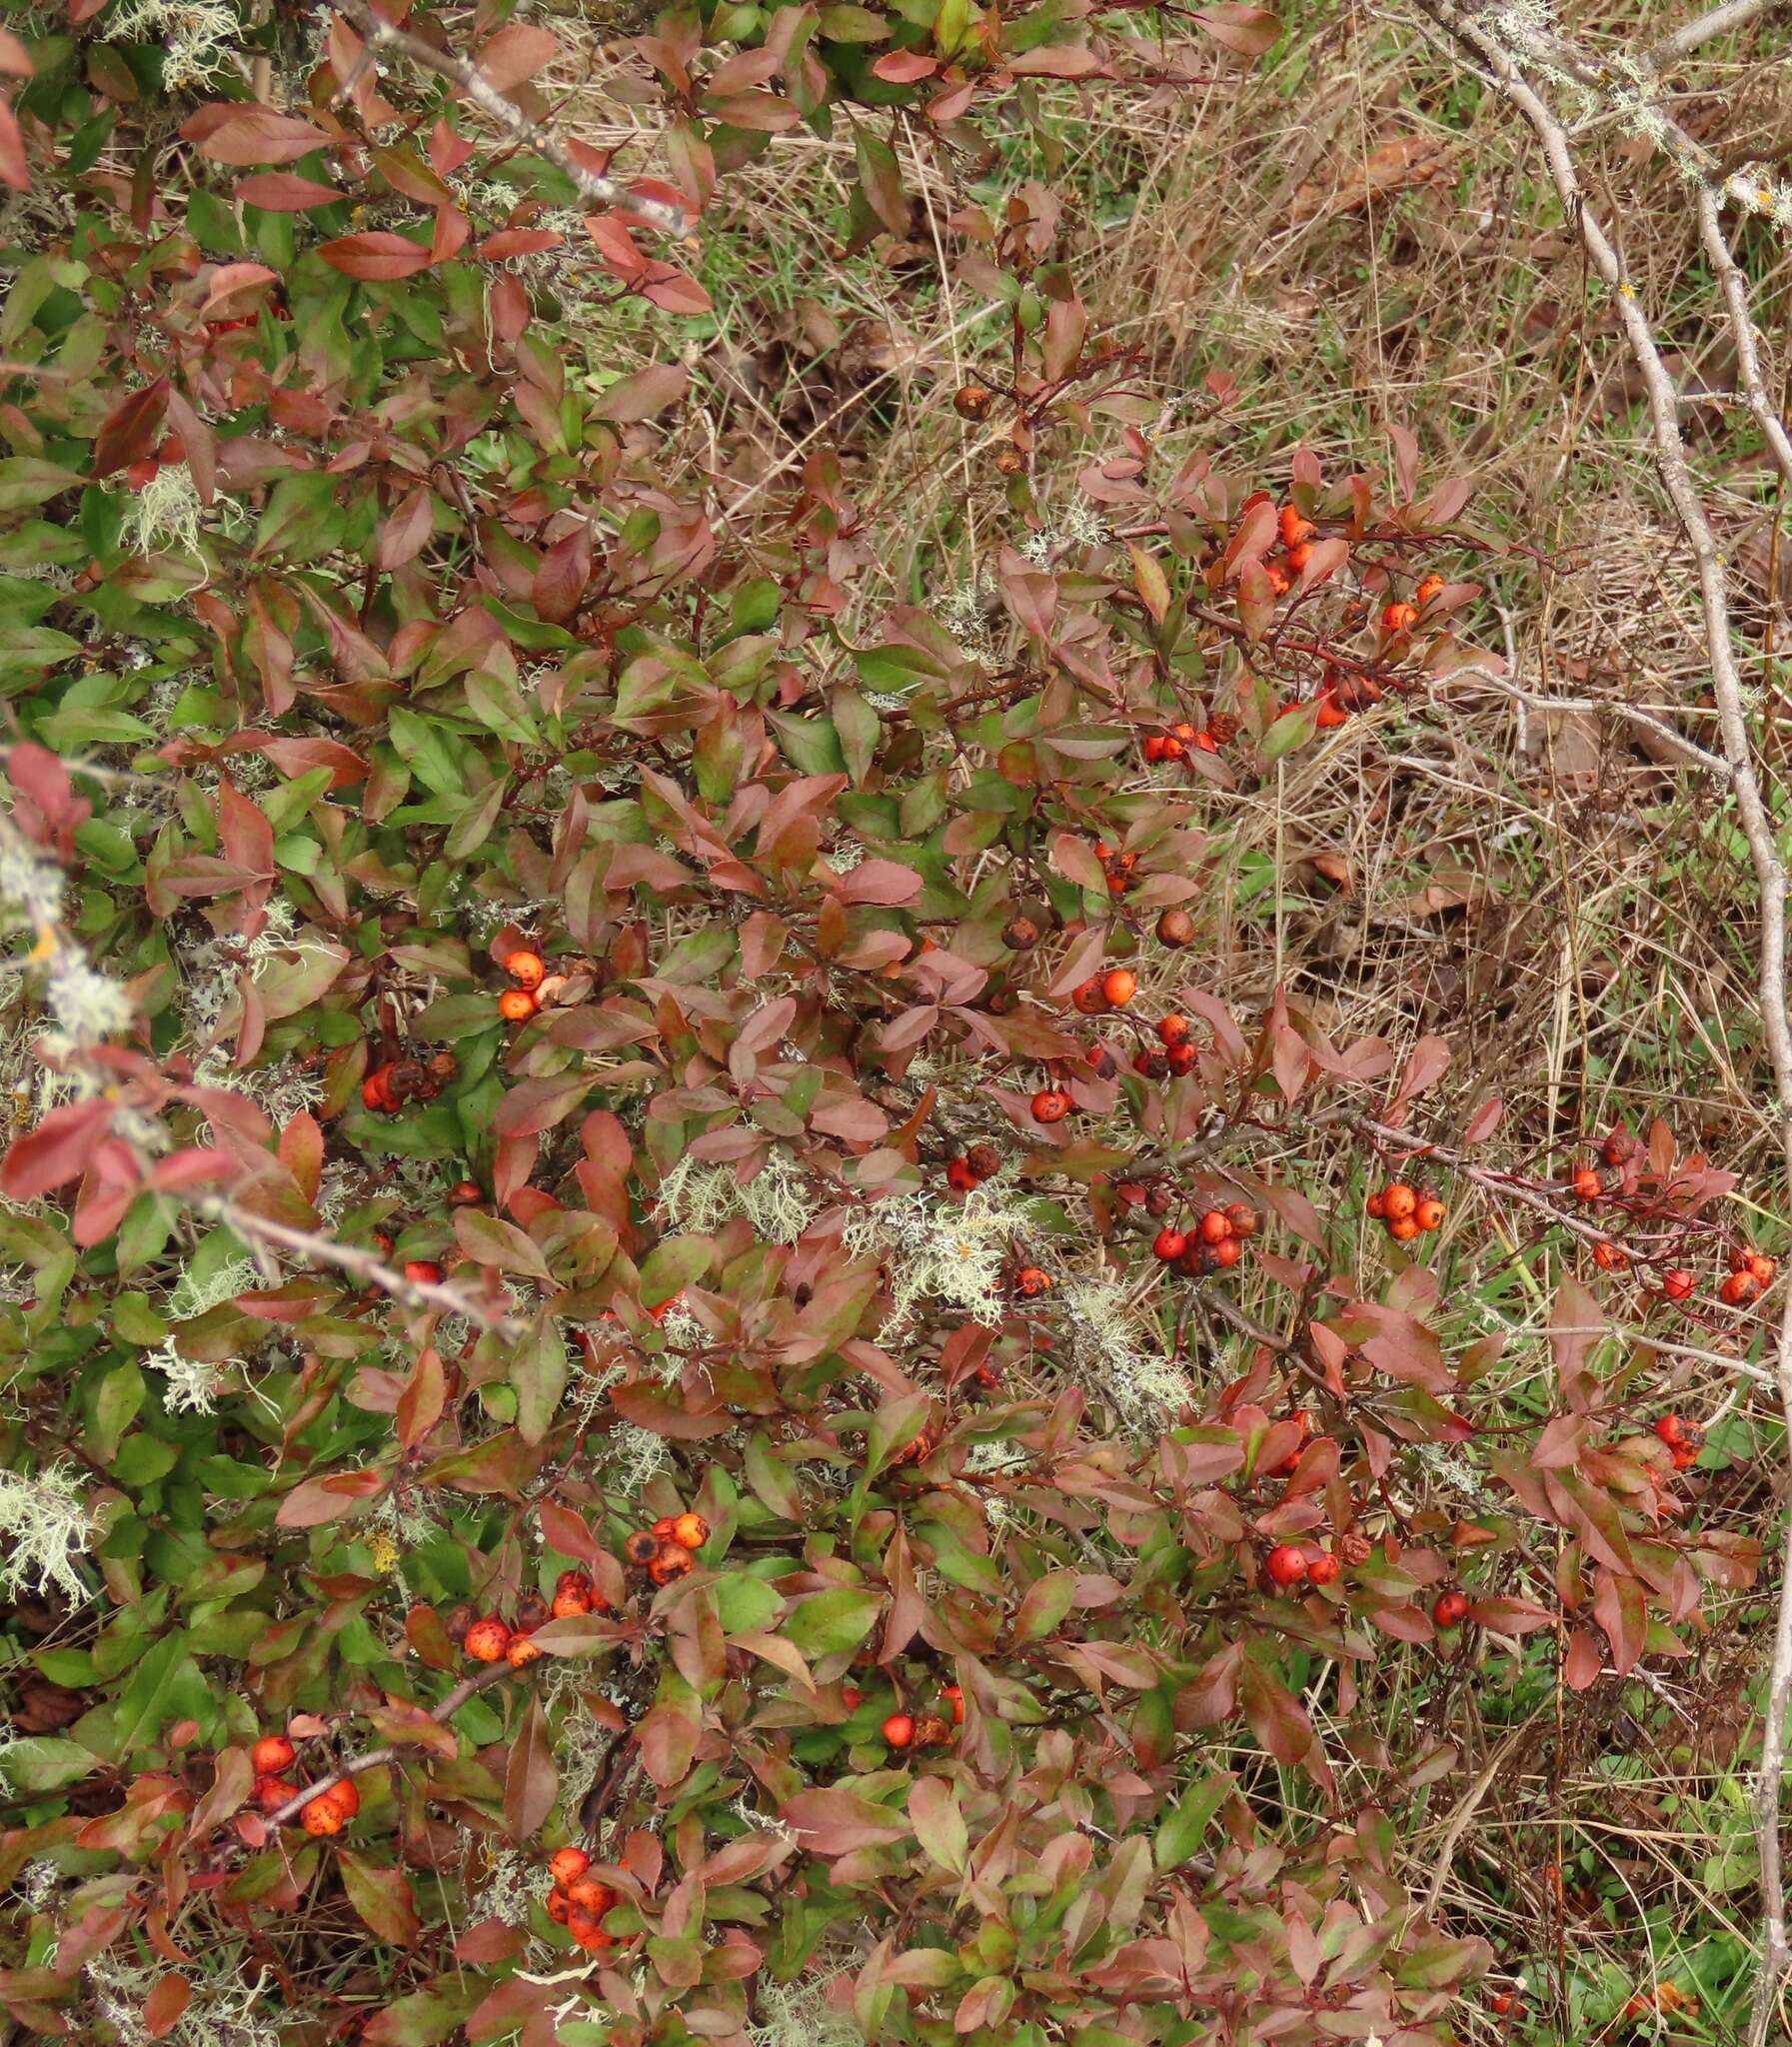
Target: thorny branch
(467,79)
(1508,77)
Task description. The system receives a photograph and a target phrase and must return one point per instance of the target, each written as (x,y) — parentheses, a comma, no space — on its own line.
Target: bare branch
(1734,14)
(364,1265)
(467,79)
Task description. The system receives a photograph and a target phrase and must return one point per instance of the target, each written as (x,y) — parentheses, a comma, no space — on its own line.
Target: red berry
(422,1273)
(271,1755)
(898,1729)
(1214,1227)
(1588,1187)
(1671,1429)
(1285,1564)
(1227,1251)
(1050,1105)
(958,1174)
(1450,1609)
(1677,1285)
(1324,1570)
(1120,987)
(1169,1245)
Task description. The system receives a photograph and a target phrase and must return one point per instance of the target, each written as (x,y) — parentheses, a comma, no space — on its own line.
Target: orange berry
(322,1816)
(1174,1029)
(1214,1227)
(1050,1105)
(345,1798)
(1169,1245)
(955,1698)
(671,1562)
(375,1090)
(972,401)
(1087,998)
(1226,1252)
(271,1793)
(1031,1281)
(558,1908)
(487,1640)
(569,1605)
(1738,1290)
(465,1194)
(1245,1220)
(568,1865)
(422,1273)
(1428,588)
(1588,1187)
(1608,1258)
(586,1931)
(1678,1284)
(1399,618)
(516,1006)
(271,1755)
(1120,987)
(958,1174)
(1762,1268)
(575,1581)
(525,969)
(1398,1200)
(690,1531)
(521,1652)
(587,1894)
(1403,1228)
(1294,528)
(1430,1213)
(898,1729)
(1376,1204)
(1324,1570)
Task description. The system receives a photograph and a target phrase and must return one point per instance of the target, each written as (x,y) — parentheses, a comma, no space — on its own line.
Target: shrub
(654,1209)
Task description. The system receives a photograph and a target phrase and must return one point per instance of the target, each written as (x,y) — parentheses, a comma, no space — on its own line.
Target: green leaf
(746,1605)
(383,1899)
(825,1624)
(1181,1829)
(157,1694)
(25,481)
(47,1762)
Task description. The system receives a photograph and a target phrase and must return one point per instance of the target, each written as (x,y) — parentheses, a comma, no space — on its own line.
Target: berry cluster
(536,988)
(394,1083)
(927,1731)
(1405,1211)
(1750,1274)
(328,1813)
(489,1639)
(667,1549)
(579,1901)
(1213,1242)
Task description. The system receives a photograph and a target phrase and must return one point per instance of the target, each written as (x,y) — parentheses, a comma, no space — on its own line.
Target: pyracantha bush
(689,1352)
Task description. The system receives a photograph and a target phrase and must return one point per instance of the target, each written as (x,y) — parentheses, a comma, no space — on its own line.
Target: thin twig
(365,1265)
(466,77)
(448,1707)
